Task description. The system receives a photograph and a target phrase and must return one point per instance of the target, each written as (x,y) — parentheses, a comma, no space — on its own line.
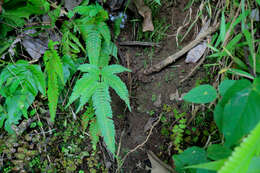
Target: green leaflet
(101,102)
(53,68)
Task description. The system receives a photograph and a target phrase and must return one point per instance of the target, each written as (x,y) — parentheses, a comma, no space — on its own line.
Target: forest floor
(153,96)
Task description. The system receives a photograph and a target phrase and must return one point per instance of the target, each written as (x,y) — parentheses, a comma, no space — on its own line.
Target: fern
(98,75)
(94,84)
(89,119)
(70,44)
(242,156)
(53,68)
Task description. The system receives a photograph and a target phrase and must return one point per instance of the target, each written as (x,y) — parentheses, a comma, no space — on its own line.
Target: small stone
(158,101)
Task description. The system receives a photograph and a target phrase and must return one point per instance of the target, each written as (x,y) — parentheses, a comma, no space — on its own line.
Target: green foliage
(201,94)
(53,68)
(98,76)
(192,155)
(14,12)
(178,130)
(19,85)
(70,44)
(93,29)
(94,84)
(239,105)
(88,119)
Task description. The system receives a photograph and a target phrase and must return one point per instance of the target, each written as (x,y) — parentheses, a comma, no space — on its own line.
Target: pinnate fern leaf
(242,156)
(93,41)
(101,102)
(53,68)
(118,85)
(82,86)
(90,68)
(87,93)
(114,69)
(104,31)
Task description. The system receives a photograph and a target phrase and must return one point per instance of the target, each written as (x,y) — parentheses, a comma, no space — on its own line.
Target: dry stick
(138,43)
(140,145)
(174,57)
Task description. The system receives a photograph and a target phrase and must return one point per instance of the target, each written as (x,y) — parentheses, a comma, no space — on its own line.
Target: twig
(174,57)
(138,43)
(140,145)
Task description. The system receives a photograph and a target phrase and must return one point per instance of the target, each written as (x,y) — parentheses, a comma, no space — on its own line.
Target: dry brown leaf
(158,166)
(146,13)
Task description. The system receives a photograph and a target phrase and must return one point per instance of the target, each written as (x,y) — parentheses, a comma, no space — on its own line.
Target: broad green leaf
(201,94)
(224,86)
(219,109)
(214,165)
(242,110)
(218,152)
(190,156)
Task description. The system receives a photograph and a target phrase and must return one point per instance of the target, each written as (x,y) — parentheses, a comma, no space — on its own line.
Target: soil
(150,93)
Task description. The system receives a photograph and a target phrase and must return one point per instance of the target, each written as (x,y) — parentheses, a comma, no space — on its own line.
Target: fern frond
(114,69)
(103,59)
(93,44)
(241,157)
(87,93)
(87,116)
(85,82)
(94,133)
(118,85)
(53,68)
(101,102)
(53,94)
(104,31)
(90,68)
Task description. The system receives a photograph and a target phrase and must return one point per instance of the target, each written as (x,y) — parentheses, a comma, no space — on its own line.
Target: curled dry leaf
(146,13)
(158,166)
(196,53)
